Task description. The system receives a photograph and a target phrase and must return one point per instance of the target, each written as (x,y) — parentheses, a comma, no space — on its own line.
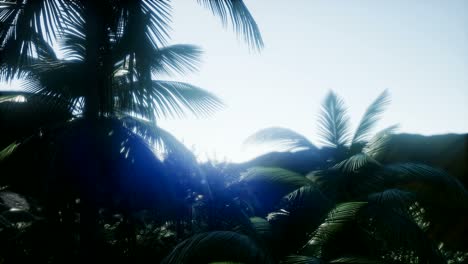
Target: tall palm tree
(113,51)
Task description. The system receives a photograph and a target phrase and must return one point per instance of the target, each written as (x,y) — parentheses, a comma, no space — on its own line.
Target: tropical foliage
(84,121)
(88,176)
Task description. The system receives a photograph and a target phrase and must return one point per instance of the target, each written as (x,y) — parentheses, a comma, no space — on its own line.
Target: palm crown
(113,50)
(334,131)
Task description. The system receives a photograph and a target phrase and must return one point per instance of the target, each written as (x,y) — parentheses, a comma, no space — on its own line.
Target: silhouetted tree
(105,95)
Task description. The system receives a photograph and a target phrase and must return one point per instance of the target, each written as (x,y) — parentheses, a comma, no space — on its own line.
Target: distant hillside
(448,152)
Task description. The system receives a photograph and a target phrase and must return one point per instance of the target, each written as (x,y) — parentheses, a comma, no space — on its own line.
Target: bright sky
(417,49)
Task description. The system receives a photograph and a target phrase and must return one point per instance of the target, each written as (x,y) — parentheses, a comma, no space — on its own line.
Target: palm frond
(218,246)
(27,27)
(370,118)
(61,77)
(158,12)
(165,99)
(378,144)
(73,39)
(283,138)
(394,199)
(274,177)
(19,18)
(164,143)
(306,199)
(356,162)
(341,185)
(141,27)
(425,181)
(337,219)
(240,18)
(268,185)
(14,65)
(179,59)
(306,208)
(400,233)
(298,259)
(333,122)
(357,260)
(6,152)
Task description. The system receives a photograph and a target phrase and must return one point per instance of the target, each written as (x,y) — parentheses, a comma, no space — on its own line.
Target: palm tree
(105,87)
(395,215)
(113,50)
(388,217)
(334,132)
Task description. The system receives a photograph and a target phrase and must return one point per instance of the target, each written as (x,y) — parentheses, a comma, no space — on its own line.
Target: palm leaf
(370,118)
(306,199)
(6,152)
(333,122)
(357,260)
(61,77)
(142,29)
(306,208)
(162,141)
(218,246)
(26,27)
(20,17)
(298,259)
(240,19)
(425,181)
(355,163)
(268,185)
(378,232)
(165,99)
(400,234)
(378,144)
(394,199)
(274,177)
(283,138)
(73,39)
(159,15)
(180,59)
(342,215)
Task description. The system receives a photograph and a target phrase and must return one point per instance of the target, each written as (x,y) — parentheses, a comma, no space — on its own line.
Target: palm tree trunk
(95,33)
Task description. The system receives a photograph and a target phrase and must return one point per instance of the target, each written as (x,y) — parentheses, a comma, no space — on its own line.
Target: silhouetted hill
(448,152)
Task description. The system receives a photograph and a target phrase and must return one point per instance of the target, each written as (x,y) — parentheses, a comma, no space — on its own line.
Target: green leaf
(6,152)
(355,163)
(378,144)
(176,59)
(297,259)
(274,178)
(337,219)
(240,18)
(370,118)
(357,260)
(333,122)
(217,246)
(283,138)
(165,99)
(164,143)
